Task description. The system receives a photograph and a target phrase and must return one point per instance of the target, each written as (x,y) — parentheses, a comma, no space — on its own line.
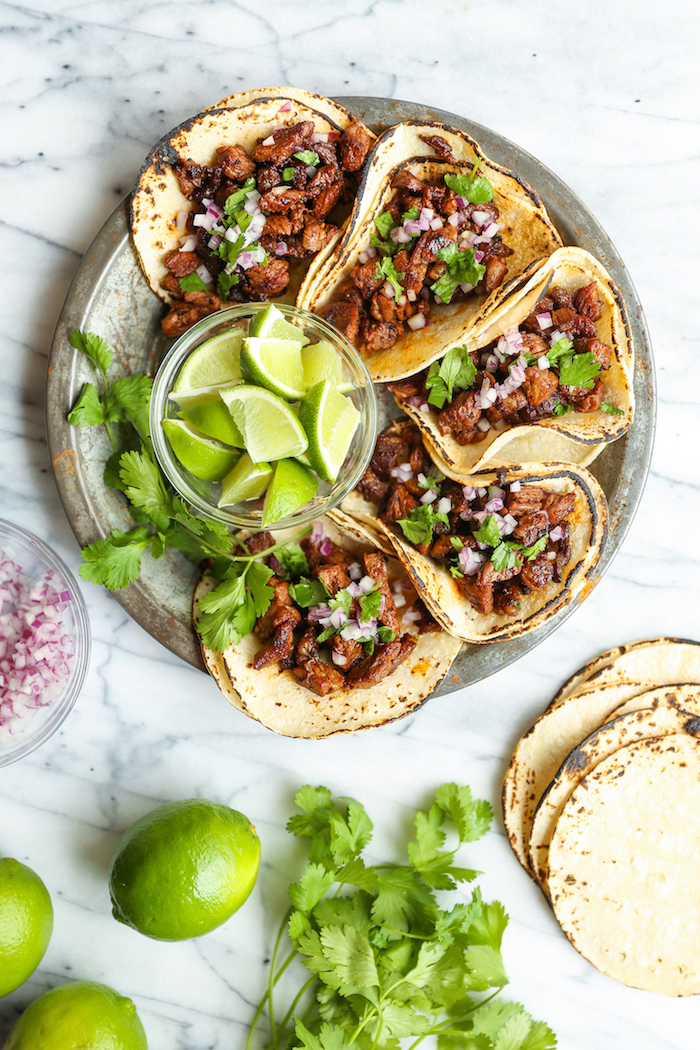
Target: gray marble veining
(605,95)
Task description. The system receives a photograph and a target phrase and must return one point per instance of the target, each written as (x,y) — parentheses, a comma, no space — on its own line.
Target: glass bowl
(22,732)
(203,495)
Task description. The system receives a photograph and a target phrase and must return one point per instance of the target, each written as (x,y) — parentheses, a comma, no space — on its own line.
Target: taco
(345,643)
(550,377)
(233,205)
(495,557)
(436,238)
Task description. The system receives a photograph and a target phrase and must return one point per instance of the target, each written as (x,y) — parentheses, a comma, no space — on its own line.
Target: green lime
(271,323)
(322,361)
(270,428)
(214,363)
(183,869)
(186,399)
(213,419)
(26,922)
(202,456)
(274,364)
(82,1014)
(291,487)
(330,419)
(247,480)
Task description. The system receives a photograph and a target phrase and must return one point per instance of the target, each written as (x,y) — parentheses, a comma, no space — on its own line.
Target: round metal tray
(110,296)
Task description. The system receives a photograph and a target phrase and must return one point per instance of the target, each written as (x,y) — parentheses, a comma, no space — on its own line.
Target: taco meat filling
(337,621)
(253,212)
(434,243)
(498,543)
(554,363)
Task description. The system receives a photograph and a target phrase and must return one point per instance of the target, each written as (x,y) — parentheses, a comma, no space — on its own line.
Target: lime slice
(271,323)
(291,487)
(322,361)
(202,456)
(247,480)
(213,419)
(274,364)
(269,427)
(214,363)
(330,419)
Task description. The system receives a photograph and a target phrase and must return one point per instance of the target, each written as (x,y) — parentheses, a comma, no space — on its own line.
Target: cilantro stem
(272,979)
(287,1017)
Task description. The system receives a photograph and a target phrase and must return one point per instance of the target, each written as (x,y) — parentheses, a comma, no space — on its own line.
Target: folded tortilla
(528,232)
(243,120)
(588,524)
(273,696)
(577,437)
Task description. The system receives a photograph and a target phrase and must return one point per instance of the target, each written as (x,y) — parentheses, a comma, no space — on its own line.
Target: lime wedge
(247,480)
(322,361)
(188,398)
(291,487)
(214,363)
(271,323)
(274,364)
(330,419)
(213,419)
(202,456)
(269,427)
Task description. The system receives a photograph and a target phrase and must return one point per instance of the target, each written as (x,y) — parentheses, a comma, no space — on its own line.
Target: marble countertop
(606,96)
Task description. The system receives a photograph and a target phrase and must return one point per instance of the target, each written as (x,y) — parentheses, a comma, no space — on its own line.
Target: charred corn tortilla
(577,437)
(528,232)
(274,697)
(240,120)
(441,593)
(623,865)
(662,718)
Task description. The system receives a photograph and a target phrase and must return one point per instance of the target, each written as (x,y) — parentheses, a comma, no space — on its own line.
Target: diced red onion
(429,497)
(453,219)
(338,618)
(205,220)
(286,107)
(188,244)
(280,248)
(510,521)
(444,505)
(402,300)
(461,202)
(411,295)
(490,231)
(355,571)
(478,256)
(555,336)
(480,218)
(181,224)
(310,170)
(557,533)
(470,561)
(320,136)
(404,472)
(412,227)
(438,300)
(338,658)
(469,492)
(399,235)
(416,322)
(467,239)
(362,258)
(551,555)
(491,363)
(388,290)
(202,272)
(436,223)
(319,613)
(467,287)
(270,140)
(366,584)
(543,363)
(411,616)
(515,486)
(483,425)
(544,321)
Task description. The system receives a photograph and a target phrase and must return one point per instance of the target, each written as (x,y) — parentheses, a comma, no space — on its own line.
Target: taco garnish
(437,234)
(497,555)
(229,199)
(550,377)
(344,643)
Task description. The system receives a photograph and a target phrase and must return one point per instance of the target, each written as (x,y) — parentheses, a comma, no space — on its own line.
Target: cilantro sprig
(456,371)
(475,188)
(386,961)
(462,268)
(419,525)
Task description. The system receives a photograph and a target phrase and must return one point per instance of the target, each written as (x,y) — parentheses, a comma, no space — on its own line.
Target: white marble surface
(606,94)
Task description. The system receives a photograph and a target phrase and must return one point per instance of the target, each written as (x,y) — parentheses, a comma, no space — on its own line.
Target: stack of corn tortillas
(601,804)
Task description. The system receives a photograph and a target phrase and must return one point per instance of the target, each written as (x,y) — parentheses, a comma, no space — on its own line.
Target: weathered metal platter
(110,296)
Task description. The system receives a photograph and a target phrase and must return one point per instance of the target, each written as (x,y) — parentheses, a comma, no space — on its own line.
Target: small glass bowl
(203,495)
(35,558)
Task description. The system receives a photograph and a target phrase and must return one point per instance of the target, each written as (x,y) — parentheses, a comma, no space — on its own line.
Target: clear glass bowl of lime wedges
(263,416)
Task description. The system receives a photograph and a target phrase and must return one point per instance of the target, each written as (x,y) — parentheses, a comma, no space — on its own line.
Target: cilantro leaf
(562,410)
(386,269)
(133,394)
(370,605)
(234,200)
(225,282)
(456,371)
(94,348)
(488,532)
(288,174)
(342,599)
(192,283)
(386,634)
(411,215)
(562,347)
(578,370)
(313,886)
(143,483)
(612,410)
(535,548)
(385,223)
(349,835)
(418,526)
(351,955)
(475,188)
(462,268)
(505,556)
(389,248)
(88,410)
(308,592)
(292,559)
(116,560)
(472,819)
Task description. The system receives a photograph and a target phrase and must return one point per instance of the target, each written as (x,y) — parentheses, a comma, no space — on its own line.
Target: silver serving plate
(110,296)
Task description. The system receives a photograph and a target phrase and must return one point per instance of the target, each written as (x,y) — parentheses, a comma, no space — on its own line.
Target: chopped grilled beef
(377,566)
(539,385)
(379,335)
(600,350)
(354,146)
(281,648)
(286,142)
(181,264)
(347,652)
(496,270)
(259,541)
(526,500)
(587,302)
(264,281)
(530,527)
(321,678)
(438,143)
(538,572)
(558,506)
(460,418)
(344,316)
(235,163)
(265,625)
(372,487)
(592,400)
(506,599)
(399,502)
(479,594)
(384,661)
(307,647)
(334,578)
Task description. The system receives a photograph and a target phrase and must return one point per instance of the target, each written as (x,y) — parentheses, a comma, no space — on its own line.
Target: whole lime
(79,1014)
(26,922)
(183,869)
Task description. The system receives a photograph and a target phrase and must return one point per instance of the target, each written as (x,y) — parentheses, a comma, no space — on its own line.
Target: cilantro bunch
(162,519)
(386,960)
